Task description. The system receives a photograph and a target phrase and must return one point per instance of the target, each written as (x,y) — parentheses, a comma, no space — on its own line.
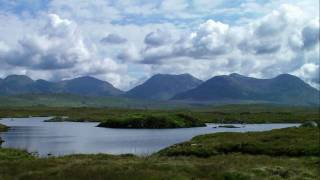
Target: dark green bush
(153,121)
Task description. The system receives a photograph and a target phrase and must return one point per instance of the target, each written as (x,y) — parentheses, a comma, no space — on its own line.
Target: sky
(127,41)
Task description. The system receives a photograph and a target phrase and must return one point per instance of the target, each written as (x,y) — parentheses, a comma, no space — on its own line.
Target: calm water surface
(63,138)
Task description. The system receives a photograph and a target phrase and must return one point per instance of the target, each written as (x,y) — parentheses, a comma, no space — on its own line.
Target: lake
(63,138)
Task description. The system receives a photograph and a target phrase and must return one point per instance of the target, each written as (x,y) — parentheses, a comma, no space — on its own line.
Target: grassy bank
(280,142)
(234,164)
(218,114)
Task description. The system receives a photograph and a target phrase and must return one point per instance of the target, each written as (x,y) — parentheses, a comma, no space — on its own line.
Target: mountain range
(283,89)
(87,86)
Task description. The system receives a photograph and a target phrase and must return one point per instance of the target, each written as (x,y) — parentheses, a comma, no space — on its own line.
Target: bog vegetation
(215,114)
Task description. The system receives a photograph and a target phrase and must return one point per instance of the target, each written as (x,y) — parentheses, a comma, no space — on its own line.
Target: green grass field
(69,100)
(292,142)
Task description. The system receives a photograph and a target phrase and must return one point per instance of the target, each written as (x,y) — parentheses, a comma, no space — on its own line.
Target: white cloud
(280,42)
(310,73)
(56,46)
(260,39)
(57,51)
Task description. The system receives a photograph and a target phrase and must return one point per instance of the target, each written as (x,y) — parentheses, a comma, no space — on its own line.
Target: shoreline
(36,154)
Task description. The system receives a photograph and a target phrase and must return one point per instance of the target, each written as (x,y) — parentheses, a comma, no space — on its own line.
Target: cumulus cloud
(276,43)
(310,34)
(58,51)
(157,38)
(260,39)
(58,45)
(211,39)
(268,35)
(113,39)
(310,73)
(129,54)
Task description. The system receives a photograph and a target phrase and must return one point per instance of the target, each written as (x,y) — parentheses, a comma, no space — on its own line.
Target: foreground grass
(217,114)
(252,160)
(233,166)
(293,142)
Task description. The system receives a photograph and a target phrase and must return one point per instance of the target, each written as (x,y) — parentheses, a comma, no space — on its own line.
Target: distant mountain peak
(20,79)
(286,76)
(236,75)
(84,78)
(164,86)
(41,80)
(172,75)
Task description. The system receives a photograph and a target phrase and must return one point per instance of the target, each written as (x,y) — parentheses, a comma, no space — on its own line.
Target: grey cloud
(157,38)
(113,39)
(267,48)
(270,28)
(259,47)
(310,36)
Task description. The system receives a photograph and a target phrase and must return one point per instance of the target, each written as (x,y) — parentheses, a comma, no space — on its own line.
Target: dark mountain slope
(164,86)
(17,84)
(284,88)
(89,86)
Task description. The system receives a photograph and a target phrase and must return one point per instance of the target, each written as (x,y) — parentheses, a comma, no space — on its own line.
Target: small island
(143,121)
(228,126)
